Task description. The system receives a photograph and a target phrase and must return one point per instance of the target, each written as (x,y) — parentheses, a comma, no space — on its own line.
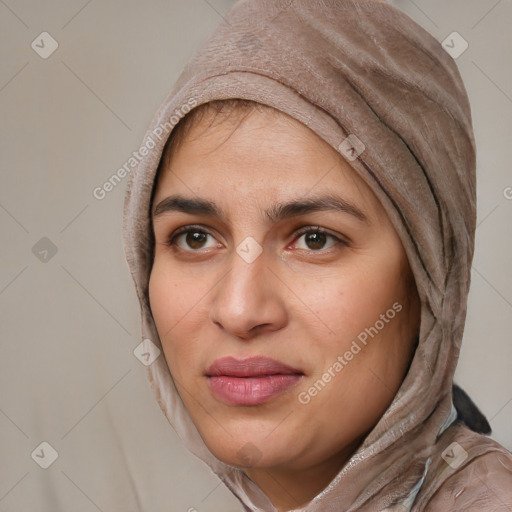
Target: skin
(302,301)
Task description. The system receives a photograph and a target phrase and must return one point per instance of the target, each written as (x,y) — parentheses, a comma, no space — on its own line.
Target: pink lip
(250,381)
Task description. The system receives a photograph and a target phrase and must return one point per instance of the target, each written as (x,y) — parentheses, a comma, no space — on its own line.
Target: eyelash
(198,229)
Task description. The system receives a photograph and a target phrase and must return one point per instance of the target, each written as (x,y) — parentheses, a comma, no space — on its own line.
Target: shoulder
(483,484)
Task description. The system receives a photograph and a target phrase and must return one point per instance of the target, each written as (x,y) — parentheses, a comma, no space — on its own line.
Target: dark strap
(468,413)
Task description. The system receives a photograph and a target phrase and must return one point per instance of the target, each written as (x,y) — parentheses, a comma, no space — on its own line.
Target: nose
(249,299)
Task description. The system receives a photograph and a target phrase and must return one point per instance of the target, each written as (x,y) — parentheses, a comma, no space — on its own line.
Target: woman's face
(333,309)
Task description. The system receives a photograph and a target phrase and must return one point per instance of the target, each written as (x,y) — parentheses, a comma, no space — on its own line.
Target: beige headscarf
(363,68)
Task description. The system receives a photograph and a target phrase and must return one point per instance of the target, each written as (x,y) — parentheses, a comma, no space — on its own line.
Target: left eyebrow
(324,203)
(276,213)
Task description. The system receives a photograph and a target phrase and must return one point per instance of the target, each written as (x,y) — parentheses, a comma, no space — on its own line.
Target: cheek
(163,298)
(171,300)
(179,304)
(353,298)
(174,296)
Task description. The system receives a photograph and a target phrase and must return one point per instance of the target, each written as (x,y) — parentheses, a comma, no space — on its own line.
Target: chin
(252,449)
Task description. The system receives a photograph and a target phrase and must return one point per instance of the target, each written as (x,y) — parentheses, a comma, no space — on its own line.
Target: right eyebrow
(187,205)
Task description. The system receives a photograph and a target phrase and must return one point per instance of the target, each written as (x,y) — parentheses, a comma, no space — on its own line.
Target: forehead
(258,154)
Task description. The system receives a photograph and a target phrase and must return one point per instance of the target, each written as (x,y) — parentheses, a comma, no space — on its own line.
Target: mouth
(251,381)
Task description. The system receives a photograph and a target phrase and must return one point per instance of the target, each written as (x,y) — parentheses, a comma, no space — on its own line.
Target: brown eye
(195,239)
(189,239)
(315,239)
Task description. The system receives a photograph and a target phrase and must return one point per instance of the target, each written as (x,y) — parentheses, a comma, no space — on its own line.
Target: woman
(300,230)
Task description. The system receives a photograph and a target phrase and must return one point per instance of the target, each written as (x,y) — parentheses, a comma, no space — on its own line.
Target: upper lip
(250,367)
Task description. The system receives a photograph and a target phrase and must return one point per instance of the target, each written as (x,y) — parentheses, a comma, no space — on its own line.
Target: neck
(289,489)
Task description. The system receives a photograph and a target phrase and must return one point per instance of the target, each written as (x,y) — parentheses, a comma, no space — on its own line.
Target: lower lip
(250,390)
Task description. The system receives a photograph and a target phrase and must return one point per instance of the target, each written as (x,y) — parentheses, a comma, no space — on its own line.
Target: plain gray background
(70,317)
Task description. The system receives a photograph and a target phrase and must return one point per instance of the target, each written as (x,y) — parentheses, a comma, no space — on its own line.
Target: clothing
(358,68)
